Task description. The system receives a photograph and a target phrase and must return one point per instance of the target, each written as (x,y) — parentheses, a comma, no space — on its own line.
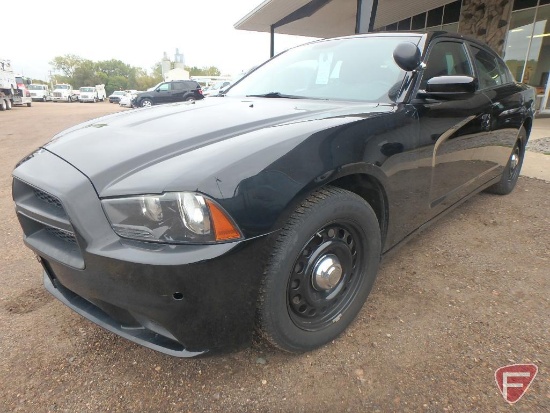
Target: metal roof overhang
(312,18)
(330,18)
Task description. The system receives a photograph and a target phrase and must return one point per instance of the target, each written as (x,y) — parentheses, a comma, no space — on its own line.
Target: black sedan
(183,227)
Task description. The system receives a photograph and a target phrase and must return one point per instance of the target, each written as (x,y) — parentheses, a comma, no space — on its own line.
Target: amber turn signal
(224,229)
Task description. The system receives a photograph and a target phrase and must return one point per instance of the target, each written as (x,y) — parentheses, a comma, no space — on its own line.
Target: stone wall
(486,20)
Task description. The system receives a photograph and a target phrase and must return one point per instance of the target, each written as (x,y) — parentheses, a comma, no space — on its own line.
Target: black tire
(29,104)
(299,309)
(3,104)
(512,170)
(146,103)
(43,98)
(8,104)
(189,99)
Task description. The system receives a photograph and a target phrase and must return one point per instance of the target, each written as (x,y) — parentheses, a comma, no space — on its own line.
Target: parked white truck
(92,93)
(8,85)
(64,93)
(24,93)
(40,92)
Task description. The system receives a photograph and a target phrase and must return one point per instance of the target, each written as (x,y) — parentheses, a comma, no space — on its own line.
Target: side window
(488,71)
(505,71)
(164,87)
(446,59)
(178,86)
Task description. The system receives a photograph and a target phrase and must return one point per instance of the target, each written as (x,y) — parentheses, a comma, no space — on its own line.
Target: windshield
(356,68)
(86,89)
(37,87)
(119,92)
(62,86)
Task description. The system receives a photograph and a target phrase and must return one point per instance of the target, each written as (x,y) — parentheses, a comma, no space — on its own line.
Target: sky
(138,33)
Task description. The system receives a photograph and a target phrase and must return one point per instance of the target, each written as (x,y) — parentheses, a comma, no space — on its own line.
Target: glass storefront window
(451,28)
(517,41)
(538,62)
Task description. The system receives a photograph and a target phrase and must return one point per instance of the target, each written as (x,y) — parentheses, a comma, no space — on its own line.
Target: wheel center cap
(514,160)
(327,272)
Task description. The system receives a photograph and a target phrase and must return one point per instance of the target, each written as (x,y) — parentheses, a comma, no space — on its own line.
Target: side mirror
(450,87)
(407,56)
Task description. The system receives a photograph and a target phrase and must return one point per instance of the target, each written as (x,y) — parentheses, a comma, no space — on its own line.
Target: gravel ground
(465,297)
(540,145)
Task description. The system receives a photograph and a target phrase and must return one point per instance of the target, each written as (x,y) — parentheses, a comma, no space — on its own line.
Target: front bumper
(183,300)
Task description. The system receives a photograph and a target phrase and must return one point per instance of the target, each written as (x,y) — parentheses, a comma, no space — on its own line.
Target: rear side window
(446,59)
(178,86)
(489,72)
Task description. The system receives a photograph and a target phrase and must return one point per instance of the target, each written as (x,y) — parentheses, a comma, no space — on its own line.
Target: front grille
(57,94)
(47,198)
(63,235)
(46,224)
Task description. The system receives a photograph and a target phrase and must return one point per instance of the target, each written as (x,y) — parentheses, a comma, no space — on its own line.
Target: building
(174,70)
(517,29)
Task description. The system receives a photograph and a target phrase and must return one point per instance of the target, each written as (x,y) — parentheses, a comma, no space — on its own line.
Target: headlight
(175,217)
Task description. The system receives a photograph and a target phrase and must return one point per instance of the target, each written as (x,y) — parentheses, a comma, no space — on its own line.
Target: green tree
(66,64)
(85,75)
(204,71)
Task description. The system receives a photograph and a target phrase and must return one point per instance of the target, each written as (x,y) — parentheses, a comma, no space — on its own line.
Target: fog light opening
(178,296)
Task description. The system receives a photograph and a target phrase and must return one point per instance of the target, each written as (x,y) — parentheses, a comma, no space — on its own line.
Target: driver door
(163,94)
(454,127)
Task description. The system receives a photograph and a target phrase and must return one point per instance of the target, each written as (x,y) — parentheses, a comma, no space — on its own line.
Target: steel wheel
(512,170)
(321,269)
(323,280)
(514,161)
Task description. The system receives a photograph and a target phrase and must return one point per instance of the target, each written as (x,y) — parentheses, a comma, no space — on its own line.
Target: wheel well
(371,190)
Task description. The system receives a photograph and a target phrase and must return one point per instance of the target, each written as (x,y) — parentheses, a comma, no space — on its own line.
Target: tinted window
(505,71)
(488,71)
(452,12)
(404,24)
(419,21)
(178,86)
(446,59)
(434,17)
(164,87)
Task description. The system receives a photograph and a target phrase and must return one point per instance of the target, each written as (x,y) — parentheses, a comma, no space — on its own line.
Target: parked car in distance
(217,88)
(184,227)
(92,94)
(116,96)
(126,100)
(40,92)
(170,92)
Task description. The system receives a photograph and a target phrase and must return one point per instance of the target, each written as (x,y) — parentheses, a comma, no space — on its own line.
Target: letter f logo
(514,380)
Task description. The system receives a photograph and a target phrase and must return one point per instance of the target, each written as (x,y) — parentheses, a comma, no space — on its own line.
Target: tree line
(114,74)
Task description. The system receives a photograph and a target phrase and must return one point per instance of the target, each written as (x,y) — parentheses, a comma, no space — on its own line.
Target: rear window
(489,71)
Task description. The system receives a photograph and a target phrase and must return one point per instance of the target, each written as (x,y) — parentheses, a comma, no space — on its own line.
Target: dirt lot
(467,296)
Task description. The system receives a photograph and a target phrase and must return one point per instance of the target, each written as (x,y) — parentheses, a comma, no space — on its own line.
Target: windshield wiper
(276,95)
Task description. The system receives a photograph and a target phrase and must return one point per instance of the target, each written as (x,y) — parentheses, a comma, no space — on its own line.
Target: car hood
(112,148)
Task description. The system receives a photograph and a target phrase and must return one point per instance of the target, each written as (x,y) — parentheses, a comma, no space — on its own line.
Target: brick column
(486,20)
